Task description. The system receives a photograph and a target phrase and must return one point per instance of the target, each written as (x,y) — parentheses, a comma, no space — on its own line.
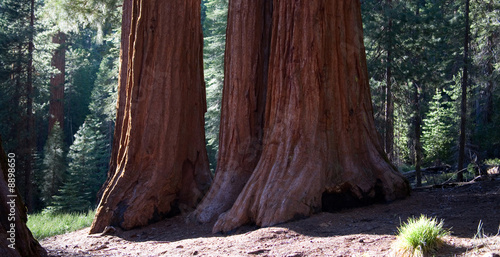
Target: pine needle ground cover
(419,237)
(46,224)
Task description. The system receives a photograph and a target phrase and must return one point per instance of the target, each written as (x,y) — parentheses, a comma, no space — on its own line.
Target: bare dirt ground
(366,231)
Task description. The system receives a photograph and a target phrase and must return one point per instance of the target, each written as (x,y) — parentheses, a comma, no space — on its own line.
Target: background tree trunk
(120,124)
(389,103)
(30,121)
(56,107)
(463,109)
(25,243)
(243,103)
(418,136)
(320,148)
(162,164)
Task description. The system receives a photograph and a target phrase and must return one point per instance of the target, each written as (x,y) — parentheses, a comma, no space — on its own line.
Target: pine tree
(439,128)
(214,44)
(54,165)
(17,29)
(485,55)
(89,154)
(424,55)
(87,169)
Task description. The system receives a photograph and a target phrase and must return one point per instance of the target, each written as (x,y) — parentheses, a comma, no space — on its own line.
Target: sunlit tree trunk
(321,150)
(162,164)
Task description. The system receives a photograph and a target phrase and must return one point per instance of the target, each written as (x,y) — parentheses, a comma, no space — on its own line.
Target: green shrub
(495,161)
(47,223)
(419,237)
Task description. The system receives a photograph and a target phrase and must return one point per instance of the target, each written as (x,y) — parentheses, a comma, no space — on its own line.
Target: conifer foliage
(214,32)
(439,127)
(88,159)
(54,164)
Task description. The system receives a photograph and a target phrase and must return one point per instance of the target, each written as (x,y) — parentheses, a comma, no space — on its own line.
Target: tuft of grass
(480,231)
(419,237)
(47,224)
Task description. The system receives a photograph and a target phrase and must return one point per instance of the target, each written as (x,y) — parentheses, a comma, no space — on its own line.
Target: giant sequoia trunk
(244,97)
(56,106)
(120,124)
(320,146)
(162,163)
(17,240)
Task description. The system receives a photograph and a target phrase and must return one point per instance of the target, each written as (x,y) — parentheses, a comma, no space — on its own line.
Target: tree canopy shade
(320,146)
(162,164)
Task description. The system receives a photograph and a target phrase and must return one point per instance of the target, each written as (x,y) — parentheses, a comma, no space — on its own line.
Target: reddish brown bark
(243,102)
(162,163)
(13,218)
(120,125)
(320,147)
(56,106)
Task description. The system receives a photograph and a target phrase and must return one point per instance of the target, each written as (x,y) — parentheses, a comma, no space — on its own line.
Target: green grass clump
(420,237)
(47,224)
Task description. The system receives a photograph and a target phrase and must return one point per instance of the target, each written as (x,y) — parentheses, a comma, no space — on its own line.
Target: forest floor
(364,231)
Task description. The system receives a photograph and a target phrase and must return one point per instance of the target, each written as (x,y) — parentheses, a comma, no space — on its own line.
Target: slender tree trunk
(490,85)
(418,136)
(463,109)
(120,124)
(418,111)
(243,103)
(321,150)
(56,107)
(30,124)
(162,165)
(14,217)
(389,109)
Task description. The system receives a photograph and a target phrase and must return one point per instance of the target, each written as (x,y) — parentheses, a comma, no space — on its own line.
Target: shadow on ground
(355,230)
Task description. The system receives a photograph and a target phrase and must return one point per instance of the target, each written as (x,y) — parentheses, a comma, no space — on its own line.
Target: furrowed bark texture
(320,147)
(120,125)
(162,163)
(244,97)
(14,214)
(56,106)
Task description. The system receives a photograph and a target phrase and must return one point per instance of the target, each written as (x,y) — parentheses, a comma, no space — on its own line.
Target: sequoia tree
(320,148)
(161,163)
(243,105)
(56,106)
(121,96)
